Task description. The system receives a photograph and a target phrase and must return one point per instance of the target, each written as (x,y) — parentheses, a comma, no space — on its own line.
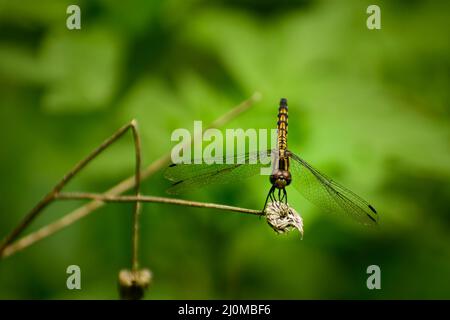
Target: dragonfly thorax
(280,178)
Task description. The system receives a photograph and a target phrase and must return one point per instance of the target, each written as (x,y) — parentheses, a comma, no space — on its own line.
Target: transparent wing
(328,194)
(187,176)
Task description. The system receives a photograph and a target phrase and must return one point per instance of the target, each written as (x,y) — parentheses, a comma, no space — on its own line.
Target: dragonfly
(288,169)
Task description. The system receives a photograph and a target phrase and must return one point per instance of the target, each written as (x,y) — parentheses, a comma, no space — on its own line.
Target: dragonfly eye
(280,178)
(275,176)
(287,177)
(273,179)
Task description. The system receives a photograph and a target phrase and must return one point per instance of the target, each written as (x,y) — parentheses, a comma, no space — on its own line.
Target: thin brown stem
(8,248)
(57,188)
(141,198)
(137,204)
(104,198)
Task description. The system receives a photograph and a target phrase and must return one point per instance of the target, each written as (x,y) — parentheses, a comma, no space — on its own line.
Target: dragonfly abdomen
(281,177)
(282,126)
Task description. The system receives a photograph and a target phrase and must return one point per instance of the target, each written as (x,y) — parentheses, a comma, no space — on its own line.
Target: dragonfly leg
(272,194)
(269,196)
(285,195)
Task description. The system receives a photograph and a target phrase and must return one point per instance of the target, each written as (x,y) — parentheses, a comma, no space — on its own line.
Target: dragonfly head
(280,178)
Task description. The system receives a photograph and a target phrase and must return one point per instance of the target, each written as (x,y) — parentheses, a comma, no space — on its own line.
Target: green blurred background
(370,108)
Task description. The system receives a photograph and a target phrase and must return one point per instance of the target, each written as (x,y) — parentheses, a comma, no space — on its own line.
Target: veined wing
(328,194)
(187,176)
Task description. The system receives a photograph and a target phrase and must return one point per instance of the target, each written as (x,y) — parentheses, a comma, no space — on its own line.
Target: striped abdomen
(282,126)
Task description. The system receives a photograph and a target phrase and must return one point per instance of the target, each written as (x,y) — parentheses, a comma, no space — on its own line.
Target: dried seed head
(283,218)
(132,284)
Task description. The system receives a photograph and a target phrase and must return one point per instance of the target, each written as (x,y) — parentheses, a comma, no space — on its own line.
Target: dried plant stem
(58,187)
(8,247)
(137,204)
(141,198)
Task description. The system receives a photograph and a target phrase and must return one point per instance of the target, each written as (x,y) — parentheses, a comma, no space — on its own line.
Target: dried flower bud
(282,218)
(132,284)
